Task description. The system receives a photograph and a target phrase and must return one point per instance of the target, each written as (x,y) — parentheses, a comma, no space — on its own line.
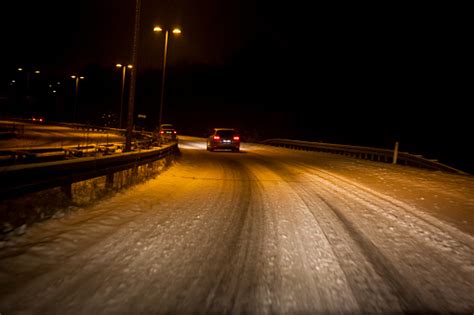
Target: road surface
(267,230)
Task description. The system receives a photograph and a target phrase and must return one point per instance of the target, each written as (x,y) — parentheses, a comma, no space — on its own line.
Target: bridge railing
(15,128)
(361,152)
(16,180)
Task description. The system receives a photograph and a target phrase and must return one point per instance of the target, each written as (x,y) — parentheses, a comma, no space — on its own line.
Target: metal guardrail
(15,128)
(17,180)
(15,156)
(368,153)
(18,123)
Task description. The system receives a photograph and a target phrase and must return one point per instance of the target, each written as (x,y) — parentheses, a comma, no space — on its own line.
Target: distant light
(73,76)
(176,31)
(81,78)
(54,91)
(50,85)
(157,29)
(13,81)
(59,83)
(37,71)
(20,69)
(118,65)
(130,66)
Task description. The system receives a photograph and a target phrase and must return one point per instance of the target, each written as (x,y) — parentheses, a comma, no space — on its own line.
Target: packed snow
(267,230)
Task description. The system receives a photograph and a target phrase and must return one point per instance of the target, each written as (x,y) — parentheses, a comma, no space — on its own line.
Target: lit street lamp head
(119,65)
(159,29)
(124,68)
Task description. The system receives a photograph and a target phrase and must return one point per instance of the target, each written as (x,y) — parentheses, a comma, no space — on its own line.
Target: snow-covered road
(267,230)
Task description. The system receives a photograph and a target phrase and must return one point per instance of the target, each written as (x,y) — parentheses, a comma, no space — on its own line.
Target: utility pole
(133,79)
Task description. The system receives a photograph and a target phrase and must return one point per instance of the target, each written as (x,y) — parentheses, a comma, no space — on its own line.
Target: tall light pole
(133,78)
(122,90)
(76,93)
(175,31)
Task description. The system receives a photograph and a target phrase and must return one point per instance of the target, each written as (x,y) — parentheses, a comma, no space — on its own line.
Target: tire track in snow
(408,297)
(242,244)
(440,277)
(310,278)
(465,241)
(55,290)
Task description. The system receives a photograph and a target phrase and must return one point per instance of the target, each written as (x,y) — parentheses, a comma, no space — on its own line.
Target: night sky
(358,74)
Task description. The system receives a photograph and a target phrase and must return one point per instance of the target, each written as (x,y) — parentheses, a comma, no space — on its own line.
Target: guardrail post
(395,153)
(109,181)
(134,171)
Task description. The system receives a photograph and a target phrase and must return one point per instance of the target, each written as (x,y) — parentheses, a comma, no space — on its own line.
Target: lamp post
(76,92)
(175,31)
(122,89)
(133,78)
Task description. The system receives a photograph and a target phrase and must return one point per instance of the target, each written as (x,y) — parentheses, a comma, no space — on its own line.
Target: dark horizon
(360,75)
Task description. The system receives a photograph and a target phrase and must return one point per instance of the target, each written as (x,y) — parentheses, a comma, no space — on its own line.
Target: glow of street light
(119,65)
(81,78)
(20,69)
(157,29)
(176,31)
(73,77)
(37,71)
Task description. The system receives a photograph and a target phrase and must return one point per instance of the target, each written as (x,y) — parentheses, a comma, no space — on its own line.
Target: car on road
(224,138)
(37,118)
(168,132)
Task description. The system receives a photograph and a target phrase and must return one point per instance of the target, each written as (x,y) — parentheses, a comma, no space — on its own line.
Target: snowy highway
(267,230)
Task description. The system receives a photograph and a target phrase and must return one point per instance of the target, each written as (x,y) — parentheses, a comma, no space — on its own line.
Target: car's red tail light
(237,138)
(216,137)
(162,132)
(174,132)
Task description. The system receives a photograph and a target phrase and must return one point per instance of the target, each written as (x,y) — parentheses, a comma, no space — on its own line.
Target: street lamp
(122,90)
(76,78)
(174,31)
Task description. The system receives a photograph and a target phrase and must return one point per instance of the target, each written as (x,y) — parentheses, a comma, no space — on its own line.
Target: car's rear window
(225,133)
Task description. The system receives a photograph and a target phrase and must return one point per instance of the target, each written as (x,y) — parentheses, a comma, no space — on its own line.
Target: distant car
(224,138)
(37,118)
(168,132)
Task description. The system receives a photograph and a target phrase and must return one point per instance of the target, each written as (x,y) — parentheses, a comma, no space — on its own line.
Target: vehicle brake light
(237,138)
(216,137)
(174,132)
(162,132)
